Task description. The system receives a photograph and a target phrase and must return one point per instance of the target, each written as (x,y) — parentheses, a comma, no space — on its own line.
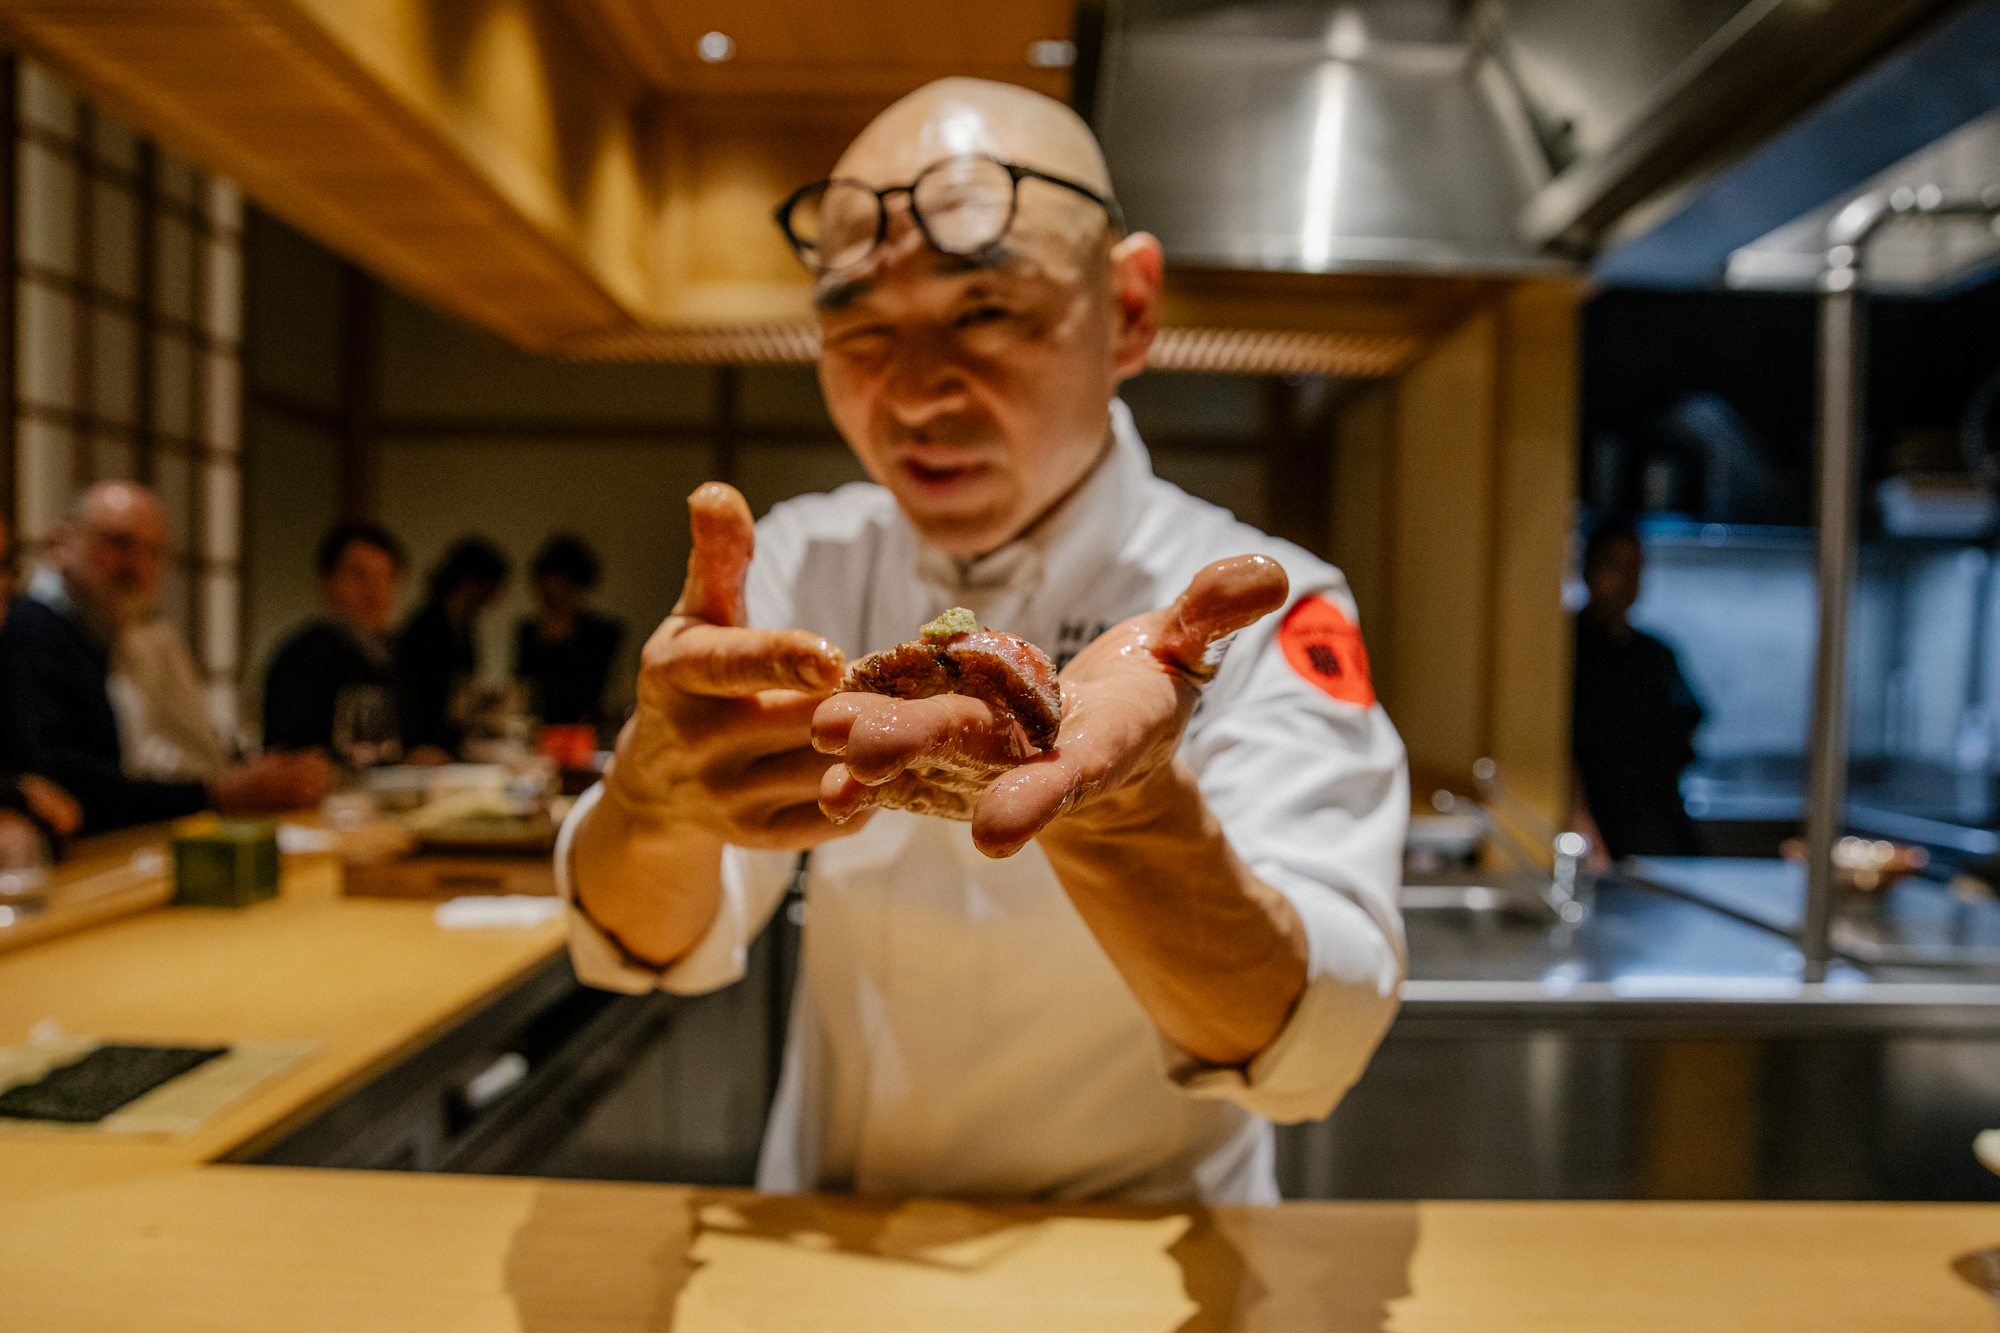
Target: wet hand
(1126,700)
(720,739)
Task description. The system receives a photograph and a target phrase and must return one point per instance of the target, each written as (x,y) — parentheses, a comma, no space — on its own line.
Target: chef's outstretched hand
(1126,700)
(720,740)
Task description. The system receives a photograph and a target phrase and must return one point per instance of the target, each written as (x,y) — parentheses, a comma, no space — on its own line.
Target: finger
(1221,599)
(719,561)
(731,663)
(842,798)
(883,736)
(1020,803)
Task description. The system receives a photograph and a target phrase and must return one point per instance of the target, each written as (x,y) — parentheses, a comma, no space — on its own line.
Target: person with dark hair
(342,660)
(437,652)
(564,650)
(1632,732)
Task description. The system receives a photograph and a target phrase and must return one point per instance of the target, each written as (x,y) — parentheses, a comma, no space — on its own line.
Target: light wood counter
(99,1232)
(370,980)
(257,1248)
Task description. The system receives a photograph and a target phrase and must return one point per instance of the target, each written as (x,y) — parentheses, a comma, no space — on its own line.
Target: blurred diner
(1635,715)
(105,691)
(341,666)
(437,651)
(564,651)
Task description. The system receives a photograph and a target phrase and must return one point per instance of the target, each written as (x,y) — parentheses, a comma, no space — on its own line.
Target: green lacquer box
(234,865)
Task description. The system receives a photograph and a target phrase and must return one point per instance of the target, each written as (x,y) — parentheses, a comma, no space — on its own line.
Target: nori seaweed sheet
(109,1077)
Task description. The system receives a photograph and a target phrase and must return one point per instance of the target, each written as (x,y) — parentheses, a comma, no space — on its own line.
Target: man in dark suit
(35,814)
(109,561)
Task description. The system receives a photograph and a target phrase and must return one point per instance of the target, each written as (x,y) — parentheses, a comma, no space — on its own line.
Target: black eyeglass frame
(1016,172)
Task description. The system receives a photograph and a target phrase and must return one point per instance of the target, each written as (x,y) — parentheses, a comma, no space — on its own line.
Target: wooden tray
(440,876)
(487,837)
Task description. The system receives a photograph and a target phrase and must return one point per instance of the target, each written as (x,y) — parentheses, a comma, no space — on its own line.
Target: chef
(1145,944)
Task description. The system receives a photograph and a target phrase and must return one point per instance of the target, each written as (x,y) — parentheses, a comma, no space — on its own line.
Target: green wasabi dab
(956,621)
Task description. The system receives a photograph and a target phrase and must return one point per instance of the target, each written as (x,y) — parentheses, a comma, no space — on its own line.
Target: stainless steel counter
(1654,962)
(1664,1048)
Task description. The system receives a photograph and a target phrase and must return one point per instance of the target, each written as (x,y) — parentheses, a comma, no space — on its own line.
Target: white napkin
(516,911)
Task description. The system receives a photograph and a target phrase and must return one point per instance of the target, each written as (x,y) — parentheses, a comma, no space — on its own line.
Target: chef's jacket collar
(1081,533)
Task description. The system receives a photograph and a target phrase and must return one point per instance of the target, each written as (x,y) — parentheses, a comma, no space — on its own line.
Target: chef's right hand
(721,739)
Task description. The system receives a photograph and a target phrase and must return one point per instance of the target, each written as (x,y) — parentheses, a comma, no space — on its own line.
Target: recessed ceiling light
(1051,53)
(715,47)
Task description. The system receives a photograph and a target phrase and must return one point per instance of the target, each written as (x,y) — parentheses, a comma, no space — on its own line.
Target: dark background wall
(1644,351)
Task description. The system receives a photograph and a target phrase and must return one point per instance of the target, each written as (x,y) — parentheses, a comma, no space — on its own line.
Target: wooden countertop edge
(241,1150)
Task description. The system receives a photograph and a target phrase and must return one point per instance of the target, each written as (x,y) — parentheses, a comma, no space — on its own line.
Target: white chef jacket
(957,1030)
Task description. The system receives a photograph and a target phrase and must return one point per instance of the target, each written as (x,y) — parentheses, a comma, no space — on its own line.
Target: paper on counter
(298,839)
(928,1269)
(513,911)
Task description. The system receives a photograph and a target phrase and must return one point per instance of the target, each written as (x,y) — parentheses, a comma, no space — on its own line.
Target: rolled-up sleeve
(753,884)
(1313,794)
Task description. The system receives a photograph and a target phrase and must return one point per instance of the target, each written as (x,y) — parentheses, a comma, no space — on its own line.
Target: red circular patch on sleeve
(1324,646)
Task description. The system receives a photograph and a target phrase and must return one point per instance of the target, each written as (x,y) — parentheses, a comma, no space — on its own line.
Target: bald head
(954,116)
(112,552)
(116,502)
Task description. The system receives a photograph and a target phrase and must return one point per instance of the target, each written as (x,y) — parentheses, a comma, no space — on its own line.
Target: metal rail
(1842,348)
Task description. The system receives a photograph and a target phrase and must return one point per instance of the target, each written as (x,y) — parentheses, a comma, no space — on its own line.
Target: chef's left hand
(1126,700)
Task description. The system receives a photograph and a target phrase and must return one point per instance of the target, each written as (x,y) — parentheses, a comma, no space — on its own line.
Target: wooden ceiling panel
(347,133)
(839,46)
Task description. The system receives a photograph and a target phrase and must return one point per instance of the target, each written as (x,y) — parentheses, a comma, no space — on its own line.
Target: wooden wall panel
(1439,549)
(1453,498)
(1363,461)
(1535,495)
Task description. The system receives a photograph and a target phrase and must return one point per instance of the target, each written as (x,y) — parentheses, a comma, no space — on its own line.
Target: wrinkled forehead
(956,117)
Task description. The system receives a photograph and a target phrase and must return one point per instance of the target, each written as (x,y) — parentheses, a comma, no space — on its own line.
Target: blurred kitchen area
(1452,283)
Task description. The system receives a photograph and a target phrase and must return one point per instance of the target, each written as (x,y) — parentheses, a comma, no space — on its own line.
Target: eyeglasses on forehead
(962,205)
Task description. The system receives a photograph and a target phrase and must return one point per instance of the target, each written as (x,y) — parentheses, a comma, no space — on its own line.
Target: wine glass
(365,731)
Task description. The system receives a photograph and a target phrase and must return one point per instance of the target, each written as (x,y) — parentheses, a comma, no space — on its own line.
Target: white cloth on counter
(957,1030)
(506,911)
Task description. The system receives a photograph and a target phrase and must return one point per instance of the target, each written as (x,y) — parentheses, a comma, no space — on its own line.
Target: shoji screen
(127,292)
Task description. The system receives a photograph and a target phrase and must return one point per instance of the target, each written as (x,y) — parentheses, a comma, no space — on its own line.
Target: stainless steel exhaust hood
(1317,138)
(1452,136)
